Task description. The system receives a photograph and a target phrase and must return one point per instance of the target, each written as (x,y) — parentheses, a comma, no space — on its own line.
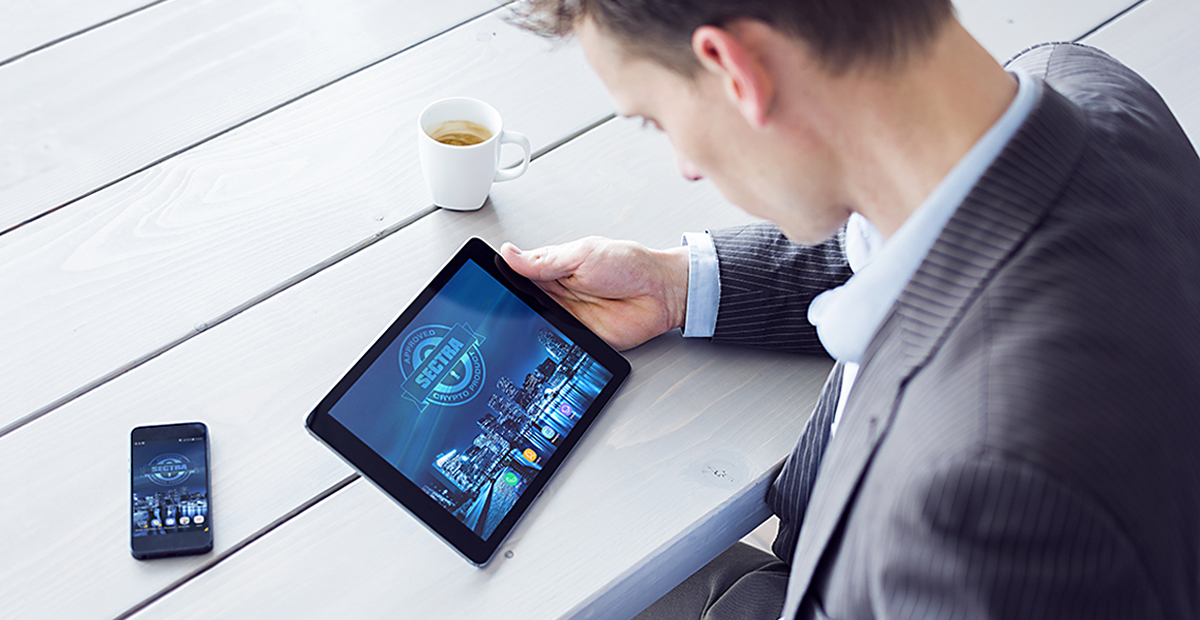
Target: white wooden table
(212,206)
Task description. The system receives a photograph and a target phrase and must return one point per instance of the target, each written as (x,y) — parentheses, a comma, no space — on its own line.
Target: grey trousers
(743,583)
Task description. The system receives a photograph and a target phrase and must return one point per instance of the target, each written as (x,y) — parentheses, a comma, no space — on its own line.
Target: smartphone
(170,505)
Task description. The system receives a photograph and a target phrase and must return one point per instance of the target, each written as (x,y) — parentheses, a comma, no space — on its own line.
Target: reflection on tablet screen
(472,398)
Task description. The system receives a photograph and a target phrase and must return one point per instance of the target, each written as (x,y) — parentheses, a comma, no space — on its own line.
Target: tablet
(470,401)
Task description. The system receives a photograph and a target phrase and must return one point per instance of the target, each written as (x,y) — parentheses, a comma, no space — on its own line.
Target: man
(1013,424)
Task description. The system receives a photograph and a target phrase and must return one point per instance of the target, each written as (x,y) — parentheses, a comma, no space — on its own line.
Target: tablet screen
(472,397)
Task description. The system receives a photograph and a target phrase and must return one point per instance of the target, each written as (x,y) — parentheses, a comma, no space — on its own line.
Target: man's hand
(624,291)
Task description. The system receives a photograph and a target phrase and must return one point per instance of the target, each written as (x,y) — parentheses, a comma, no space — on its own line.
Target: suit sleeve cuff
(704,286)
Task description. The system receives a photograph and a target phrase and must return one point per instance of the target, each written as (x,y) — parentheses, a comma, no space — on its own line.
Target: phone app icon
(548,432)
(184,520)
(565,409)
(170,522)
(156,523)
(530,455)
(199,519)
(511,478)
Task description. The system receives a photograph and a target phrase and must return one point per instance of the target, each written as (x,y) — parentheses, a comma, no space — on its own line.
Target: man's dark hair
(842,33)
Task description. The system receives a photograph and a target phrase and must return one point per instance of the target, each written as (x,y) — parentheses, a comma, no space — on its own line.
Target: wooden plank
(27,25)
(128,270)
(1159,41)
(668,565)
(105,104)
(1006,28)
(253,380)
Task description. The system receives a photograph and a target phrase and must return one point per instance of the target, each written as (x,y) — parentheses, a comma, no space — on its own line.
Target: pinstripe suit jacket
(1023,440)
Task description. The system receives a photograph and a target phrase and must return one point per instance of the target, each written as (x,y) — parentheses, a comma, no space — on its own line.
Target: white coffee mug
(460,177)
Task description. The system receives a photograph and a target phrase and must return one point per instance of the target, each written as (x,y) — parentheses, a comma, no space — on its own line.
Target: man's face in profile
(782,178)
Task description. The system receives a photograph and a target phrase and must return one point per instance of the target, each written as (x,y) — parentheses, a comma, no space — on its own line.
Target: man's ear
(747,82)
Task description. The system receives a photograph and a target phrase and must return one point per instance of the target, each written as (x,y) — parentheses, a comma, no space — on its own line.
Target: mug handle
(519,139)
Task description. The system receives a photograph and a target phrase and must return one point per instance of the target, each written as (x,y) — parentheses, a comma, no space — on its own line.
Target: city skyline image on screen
(472,398)
(170,494)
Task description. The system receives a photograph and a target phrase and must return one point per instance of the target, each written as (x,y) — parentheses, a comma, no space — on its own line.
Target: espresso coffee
(460,133)
(459,141)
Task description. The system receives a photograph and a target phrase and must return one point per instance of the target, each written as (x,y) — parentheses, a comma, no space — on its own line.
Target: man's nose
(687,168)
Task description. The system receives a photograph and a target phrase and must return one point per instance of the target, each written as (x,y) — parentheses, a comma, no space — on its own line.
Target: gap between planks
(243,122)
(272,292)
(295,512)
(68,37)
(1108,21)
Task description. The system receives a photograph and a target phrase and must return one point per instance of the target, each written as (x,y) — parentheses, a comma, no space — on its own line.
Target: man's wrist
(675,287)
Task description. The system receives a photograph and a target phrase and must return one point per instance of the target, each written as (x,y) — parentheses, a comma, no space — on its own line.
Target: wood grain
(103,105)
(1159,40)
(255,378)
(141,264)
(665,567)
(26,25)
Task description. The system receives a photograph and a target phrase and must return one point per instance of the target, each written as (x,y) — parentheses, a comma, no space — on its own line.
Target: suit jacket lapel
(992,223)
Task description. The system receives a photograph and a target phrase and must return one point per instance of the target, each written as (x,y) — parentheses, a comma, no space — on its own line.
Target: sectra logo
(442,365)
(168,470)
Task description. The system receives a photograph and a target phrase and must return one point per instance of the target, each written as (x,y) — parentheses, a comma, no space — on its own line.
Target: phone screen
(170,505)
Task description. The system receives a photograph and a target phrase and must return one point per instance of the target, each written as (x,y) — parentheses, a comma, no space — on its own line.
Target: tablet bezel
(394,483)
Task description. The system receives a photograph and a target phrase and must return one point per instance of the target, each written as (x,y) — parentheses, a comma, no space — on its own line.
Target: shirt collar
(847,317)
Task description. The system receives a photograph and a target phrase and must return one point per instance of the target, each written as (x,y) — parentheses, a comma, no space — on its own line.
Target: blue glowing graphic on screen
(473,398)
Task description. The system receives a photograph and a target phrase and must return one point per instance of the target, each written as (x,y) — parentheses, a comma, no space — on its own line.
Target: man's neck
(911,126)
